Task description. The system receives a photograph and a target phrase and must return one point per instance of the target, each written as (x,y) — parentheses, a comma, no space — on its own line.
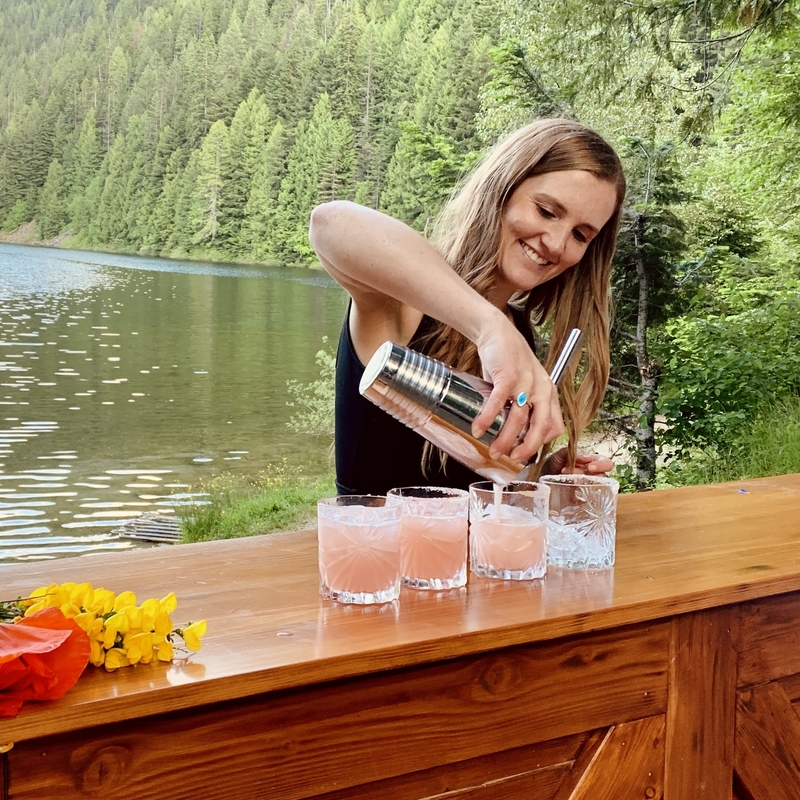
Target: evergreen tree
(51,215)
(319,156)
(86,160)
(259,235)
(247,139)
(205,211)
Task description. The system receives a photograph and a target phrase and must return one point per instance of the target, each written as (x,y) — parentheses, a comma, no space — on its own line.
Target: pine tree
(319,156)
(259,236)
(247,139)
(205,209)
(51,215)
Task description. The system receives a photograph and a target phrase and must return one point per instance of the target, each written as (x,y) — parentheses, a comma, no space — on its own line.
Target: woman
(528,238)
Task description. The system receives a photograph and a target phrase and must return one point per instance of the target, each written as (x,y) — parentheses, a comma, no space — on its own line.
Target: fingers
(590,465)
(545,425)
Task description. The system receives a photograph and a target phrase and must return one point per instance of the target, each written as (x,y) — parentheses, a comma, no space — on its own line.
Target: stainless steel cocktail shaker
(441,404)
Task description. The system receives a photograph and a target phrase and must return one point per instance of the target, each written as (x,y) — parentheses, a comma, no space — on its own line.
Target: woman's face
(547,225)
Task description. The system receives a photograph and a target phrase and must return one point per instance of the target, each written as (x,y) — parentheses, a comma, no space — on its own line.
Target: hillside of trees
(210,129)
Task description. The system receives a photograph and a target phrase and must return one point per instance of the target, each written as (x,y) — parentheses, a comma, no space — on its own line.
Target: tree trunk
(649,371)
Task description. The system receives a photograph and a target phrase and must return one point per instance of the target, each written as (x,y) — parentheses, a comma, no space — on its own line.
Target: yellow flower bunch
(121,632)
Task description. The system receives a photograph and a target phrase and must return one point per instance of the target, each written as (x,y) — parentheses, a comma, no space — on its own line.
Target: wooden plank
(769,639)
(627,765)
(303,743)
(767,744)
(542,767)
(702,706)
(588,753)
(678,551)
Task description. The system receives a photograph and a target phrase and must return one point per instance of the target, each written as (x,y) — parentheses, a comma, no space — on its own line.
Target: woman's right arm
(394,276)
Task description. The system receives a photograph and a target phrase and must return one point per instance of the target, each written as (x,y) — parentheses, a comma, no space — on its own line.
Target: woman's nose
(555,241)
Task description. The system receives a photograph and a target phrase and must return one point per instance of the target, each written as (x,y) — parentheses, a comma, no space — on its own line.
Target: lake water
(126,382)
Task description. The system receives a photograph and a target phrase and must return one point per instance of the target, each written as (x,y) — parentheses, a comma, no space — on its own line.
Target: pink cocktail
(359,548)
(433,537)
(508,530)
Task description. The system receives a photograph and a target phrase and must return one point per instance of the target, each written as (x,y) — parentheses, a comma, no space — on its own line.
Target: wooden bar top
(678,551)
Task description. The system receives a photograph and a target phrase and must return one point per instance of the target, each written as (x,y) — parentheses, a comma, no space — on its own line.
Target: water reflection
(124,382)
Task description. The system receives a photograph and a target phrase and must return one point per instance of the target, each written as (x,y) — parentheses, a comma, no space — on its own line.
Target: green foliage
(279,499)
(314,401)
(723,368)
(769,445)
(52,213)
(126,98)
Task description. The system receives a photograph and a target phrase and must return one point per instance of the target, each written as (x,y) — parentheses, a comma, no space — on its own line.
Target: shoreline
(25,236)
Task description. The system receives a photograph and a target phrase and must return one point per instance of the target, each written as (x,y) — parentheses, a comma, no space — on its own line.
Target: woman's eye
(579,237)
(545,213)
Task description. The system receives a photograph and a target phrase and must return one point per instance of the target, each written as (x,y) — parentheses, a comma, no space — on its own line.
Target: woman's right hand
(512,368)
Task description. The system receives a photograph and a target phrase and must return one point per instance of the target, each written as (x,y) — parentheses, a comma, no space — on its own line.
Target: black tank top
(374,451)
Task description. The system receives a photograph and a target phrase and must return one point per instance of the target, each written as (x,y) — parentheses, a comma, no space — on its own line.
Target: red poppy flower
(41,658)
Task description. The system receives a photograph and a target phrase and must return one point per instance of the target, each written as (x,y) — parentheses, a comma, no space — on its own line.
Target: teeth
(533,257)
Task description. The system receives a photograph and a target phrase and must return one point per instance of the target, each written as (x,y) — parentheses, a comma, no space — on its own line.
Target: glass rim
(508,488)
(578,479)
(343,500)
(445,492)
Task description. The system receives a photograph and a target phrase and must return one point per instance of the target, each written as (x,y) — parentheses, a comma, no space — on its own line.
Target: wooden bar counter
(673,675)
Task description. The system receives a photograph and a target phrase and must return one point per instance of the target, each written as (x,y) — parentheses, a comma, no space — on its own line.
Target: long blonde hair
(468,235)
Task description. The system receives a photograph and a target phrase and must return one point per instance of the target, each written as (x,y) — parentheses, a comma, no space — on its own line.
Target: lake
(127,382)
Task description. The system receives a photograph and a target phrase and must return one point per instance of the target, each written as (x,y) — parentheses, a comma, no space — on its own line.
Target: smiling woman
(527,238)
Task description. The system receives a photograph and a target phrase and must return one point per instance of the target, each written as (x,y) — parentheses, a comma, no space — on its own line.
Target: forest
(209,129)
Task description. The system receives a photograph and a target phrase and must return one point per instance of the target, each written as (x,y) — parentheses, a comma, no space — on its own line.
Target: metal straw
(566,355)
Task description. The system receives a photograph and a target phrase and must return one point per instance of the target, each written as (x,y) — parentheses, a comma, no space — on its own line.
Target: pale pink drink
(359,548)
(508,527)
(433,537)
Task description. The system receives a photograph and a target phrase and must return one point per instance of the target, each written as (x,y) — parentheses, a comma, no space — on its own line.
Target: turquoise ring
(522,398)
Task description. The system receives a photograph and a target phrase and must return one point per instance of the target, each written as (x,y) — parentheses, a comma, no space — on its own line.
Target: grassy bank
(771,447)
(279,499)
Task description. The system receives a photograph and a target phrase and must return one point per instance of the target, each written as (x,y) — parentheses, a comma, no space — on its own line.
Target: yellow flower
(193,633)
(81,595)
(124,599)
(86,621)
(97,631)
(43,593)
(70,610)
(102,601)
(118,623)
(163,624)
(169,603)
(98,654)
(138,647)
(165,651)
(134,615)
(115,659)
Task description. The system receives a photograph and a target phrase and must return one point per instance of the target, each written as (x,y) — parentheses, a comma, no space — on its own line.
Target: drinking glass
(433,537)
(507,526)
(359,548)
(582,526)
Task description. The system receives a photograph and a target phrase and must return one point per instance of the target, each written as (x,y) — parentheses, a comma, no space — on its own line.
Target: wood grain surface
(702,704)
(767,744)
(769,639)
(678,551)
(306,742)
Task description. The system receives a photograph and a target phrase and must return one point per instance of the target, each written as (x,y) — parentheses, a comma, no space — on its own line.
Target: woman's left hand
(585,464)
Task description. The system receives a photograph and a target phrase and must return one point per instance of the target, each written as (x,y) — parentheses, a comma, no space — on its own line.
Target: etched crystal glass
(507,530)
(359,548)
(582,524)
(433,537)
